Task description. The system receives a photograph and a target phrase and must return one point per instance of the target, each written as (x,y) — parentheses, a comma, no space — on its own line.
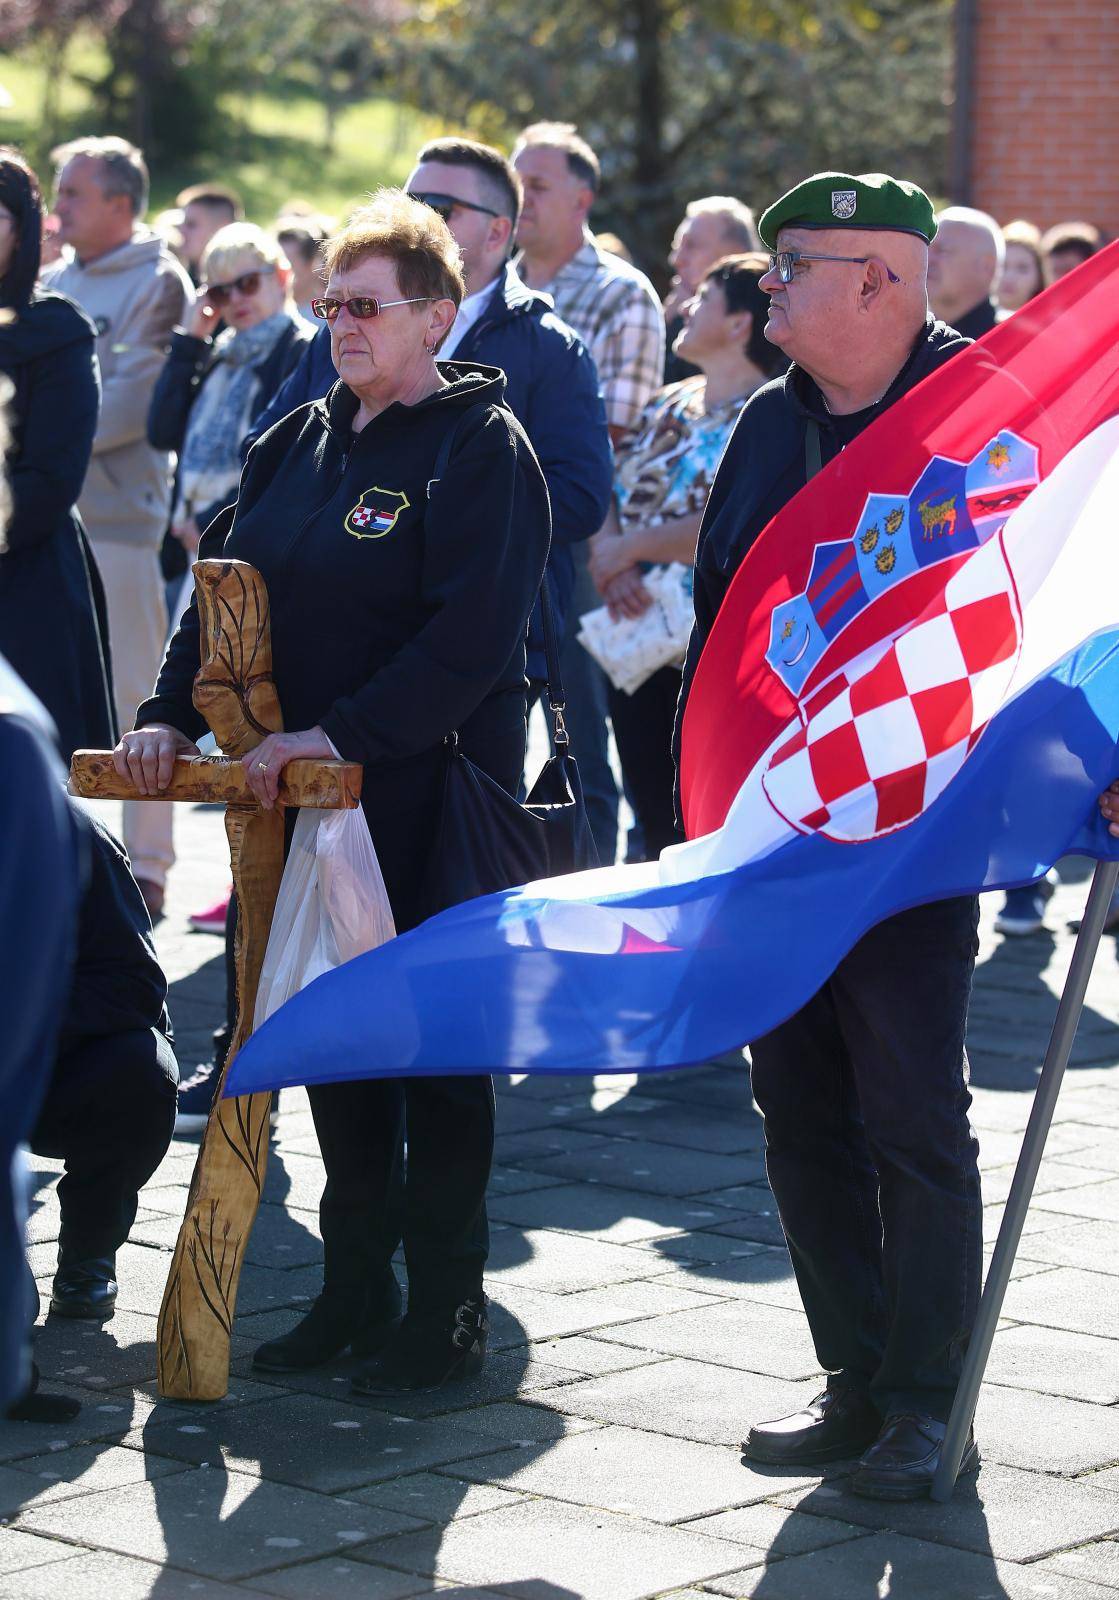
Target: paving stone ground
(644,1315)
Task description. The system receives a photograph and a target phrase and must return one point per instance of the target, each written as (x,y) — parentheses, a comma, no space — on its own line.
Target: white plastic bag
(332,906)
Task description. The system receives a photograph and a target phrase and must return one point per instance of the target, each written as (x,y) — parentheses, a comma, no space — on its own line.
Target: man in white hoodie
(136,292)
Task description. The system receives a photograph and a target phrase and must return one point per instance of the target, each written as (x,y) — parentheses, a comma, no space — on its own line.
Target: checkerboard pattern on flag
(910,692)
(884,737)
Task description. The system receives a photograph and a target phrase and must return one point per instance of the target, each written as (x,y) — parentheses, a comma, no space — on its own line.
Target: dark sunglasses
(220,294)
(362,306)
(785,263)
(444,204)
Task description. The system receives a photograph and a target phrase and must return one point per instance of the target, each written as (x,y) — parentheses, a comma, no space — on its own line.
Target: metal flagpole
(1025,1174)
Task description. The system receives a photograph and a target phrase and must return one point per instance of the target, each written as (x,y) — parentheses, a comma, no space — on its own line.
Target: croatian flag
(911,691)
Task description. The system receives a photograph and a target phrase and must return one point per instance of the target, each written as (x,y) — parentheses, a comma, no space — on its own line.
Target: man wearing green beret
(864,1091)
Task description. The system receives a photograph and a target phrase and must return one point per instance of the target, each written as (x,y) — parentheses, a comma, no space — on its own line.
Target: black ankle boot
(428,1350)
(86,1289)
(331,1324)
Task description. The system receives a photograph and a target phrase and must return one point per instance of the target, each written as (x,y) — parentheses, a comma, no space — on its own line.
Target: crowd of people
(410,422)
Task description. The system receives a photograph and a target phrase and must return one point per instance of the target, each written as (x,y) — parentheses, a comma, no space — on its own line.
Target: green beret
(838,200)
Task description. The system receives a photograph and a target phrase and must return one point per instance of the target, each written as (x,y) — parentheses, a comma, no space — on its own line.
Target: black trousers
(873,1162)
(109,1114)
(437,1205)
(643,723)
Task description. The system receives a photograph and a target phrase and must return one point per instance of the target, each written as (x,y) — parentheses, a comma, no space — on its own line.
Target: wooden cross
(235,693)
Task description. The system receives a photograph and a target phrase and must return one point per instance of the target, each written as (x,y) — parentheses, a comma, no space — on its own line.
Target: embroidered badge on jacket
(376,513)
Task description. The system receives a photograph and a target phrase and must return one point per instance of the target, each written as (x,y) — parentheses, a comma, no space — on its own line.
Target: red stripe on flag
(1049,373)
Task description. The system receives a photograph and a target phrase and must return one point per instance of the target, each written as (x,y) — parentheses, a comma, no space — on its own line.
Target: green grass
(275,150)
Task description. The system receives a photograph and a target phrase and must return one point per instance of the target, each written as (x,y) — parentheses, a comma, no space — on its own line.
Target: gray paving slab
(1091,1201)
(332,1578)
(436,1496)
(506,1374)
(1053,1361)
(219,1524)
(708,1128)
(518,1315)
(524,1423)
(541,1549)
(1067,1297)
(638,1164)
(704,1249)
(83,1469)
(98,1355)
(559,1263)
(734,1333)
(763,1275)
(1044,1433)
(625,1470)
(108,1416)
(99,1575)
(592,1355)
(25,1549)
(1097,1153)
(1097,1563)
(313,1443)
(888,1564)
(685,1399)
(620,1216)
(1013,1515)
(775,1531)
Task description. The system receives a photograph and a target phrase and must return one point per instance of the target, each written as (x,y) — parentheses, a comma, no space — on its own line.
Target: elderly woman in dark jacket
(399,599)
(52,608)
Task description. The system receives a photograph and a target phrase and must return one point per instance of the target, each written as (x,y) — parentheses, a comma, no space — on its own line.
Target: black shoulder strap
(813,456)
(556,699)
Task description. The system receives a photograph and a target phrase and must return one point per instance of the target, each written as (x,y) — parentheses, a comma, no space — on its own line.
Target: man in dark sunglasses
(551,383)
(863,1092)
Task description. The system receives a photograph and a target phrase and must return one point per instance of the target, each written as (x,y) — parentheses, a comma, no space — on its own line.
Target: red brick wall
(1045,111)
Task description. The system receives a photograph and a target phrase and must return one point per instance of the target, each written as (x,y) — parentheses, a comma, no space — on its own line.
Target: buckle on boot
(463,1337)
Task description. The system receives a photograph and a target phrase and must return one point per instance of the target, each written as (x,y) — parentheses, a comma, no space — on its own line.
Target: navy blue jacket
(551,389)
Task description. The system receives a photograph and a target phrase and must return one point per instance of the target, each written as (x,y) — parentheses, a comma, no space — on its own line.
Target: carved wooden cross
(235,693)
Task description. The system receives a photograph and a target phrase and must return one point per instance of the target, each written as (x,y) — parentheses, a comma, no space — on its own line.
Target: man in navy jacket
(551,381)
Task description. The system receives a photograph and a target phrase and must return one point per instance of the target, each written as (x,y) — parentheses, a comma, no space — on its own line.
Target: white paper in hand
(332,906)
(630,650)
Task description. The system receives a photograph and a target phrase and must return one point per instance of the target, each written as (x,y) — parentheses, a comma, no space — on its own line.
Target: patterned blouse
(667,469)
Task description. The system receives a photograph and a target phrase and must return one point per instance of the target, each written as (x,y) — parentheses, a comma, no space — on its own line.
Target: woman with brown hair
(400,596)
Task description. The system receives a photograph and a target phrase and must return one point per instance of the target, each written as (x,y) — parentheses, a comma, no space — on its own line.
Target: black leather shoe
(838,1423)
(428,1351)
(328,1328)
(86,1289)
(902,1462)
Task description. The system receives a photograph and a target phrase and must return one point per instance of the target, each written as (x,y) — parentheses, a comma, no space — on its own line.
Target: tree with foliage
(688,97)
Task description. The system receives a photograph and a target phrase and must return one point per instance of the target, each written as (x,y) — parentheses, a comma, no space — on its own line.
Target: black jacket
(397,619)
(52,617)
(118,984)
(763,467)
(978,321)
(189,363)
(552,390)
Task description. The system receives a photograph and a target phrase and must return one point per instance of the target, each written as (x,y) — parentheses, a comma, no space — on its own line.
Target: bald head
(965,259)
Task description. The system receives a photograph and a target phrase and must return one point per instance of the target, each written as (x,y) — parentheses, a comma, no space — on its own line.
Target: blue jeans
(585,687)
(872,1160)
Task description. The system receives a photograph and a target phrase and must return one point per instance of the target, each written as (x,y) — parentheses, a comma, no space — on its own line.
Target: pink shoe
(212,920)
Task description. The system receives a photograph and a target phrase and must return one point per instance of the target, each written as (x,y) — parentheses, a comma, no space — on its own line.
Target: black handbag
(487,840)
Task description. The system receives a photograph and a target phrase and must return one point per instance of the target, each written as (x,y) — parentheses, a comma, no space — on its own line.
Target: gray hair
(982,222)
(123,168)
(739,227)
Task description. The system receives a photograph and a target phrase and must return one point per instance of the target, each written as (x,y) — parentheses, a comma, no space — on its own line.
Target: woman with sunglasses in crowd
(217,378)
(401,525)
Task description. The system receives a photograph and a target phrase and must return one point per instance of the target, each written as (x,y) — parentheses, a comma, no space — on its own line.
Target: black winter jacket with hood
(53,626)
(764,465)
(399,605)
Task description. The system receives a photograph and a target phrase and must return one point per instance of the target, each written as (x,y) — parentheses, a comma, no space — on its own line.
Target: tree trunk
(648,22)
